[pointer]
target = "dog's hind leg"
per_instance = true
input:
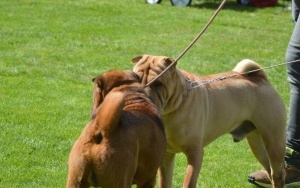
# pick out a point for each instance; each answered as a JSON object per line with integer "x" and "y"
{"x": 166, "y": 171}
{"x": 276, "y": 153}
{"x": 269, "y": 149}
{"x": 257, "y": 146}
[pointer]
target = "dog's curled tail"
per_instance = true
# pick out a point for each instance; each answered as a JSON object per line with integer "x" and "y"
{"x": 248, "y": 67}
{"x": 110, "y": 111}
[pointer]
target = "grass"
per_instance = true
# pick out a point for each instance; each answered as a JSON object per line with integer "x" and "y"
{"x": 50, "y": 50}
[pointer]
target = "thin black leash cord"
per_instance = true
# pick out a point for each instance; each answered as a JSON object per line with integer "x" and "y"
{"x": 204, "y": 82}
{"x": 192, "y": 43}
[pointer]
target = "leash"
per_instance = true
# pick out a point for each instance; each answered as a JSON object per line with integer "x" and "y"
{"x": 204, "y": 82}
{"x": 191, "y": 44}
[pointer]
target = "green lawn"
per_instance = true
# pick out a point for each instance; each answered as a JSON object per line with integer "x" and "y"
{"x": 50, "y": 50}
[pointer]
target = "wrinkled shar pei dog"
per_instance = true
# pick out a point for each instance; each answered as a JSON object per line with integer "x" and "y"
{"x": 196, "y": 110}
{"x": 124, "y": 143}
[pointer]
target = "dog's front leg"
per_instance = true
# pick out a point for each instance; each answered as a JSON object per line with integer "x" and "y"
{"x": 194, "y": 159}
{"x": 166, "y": 171}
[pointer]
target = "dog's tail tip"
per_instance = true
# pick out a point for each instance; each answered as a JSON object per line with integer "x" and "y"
{"x": 248, "y": 67}
{"x": 110, "y": 111}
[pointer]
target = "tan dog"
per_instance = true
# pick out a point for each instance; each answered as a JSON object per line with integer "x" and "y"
{"x": 243, "y": 105}
{"x": 125, "y": 142}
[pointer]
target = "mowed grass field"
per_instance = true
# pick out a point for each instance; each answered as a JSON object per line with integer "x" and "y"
{"x": 50, "y": 50}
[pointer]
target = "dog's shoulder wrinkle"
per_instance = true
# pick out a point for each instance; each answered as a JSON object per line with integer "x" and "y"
{"x": 137, "y": 99}
{"x": 138, "y": 104}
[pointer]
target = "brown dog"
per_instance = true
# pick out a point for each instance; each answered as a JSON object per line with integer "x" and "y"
{"x": 125, "y": 142}
{"x": 196, "y": 110}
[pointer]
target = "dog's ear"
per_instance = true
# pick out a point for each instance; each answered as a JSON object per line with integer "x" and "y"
{"x": 97, "y": 82}
{"x": 97, "y": 96}
{"x": 136, "y": 59}
{"x": 169, "y": 61}
{"x": 161, "y": 63}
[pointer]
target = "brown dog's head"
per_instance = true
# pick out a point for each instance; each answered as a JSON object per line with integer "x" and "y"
{"x": 107, "y": 81}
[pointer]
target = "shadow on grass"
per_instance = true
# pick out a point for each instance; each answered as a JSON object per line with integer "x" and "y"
{"x": 232, "y": 5}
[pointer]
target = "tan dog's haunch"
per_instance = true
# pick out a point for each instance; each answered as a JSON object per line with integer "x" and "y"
{"x": 124, "y": 143}
{"x": 247, "y": 106}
